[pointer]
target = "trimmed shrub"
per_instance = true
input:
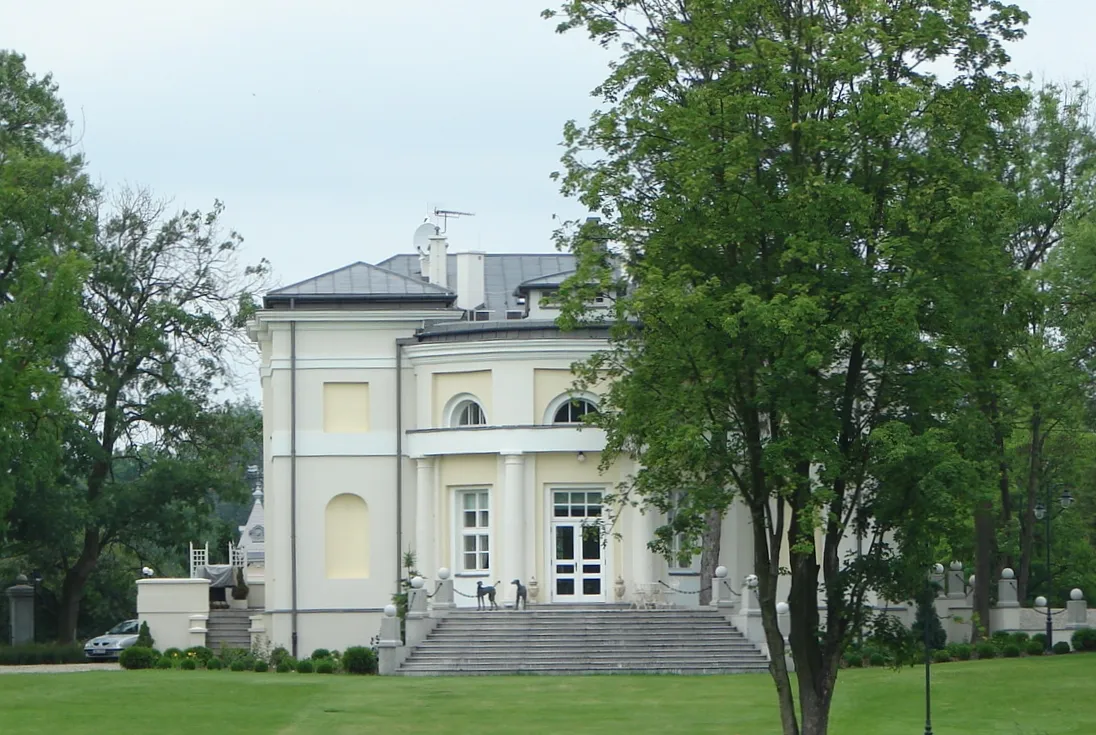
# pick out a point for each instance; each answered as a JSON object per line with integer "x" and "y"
{"x": 215, "y": 664}
{"x": 164, "y": 663}
{"x": 877, "y": 659}
{"x": 144, "y": 637}
{"x": 959, "y": 651}
{"x": 32, "y": 654}
{"x": 359, "y": 660}
{"x": 278, "y": 655}
{"x": 261, "y": 666}
{"x": 1034, "y": 648}
{"x": 1020, "y": 638}
{"x": 189, "y": 664}
{"x": 238, "y": 665}
{"x": 1084, "y": 639}
{"x": 232, "y": 655}
{"x": 325, "y": 666}
{"x": 138, "y": 657}
{"x": 1041, "y": 637}
{"x": 986, "y": 650}
{"x": 1011, "y": 650}
{"x": 941, "y": 657}
{"x": 304, "y": 666}
{"x": 1060, "y": 648}
{"x": 283, "y": 667}
{"x": 201, "y": 653}
{"x": 320, "y": 653}
{"x": 174, "y": 653}
{"x": 1000, "y": 638}
{"x": 854, "y": 660}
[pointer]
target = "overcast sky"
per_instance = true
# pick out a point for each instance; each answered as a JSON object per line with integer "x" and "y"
{"x": 330, "y": 128}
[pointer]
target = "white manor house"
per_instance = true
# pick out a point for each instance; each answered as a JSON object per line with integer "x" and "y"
{"x": 425, "y": 404}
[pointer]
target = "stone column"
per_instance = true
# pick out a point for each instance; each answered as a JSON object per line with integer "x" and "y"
{"x": 643, "y": 530}
{"x": 513, "y": 539}
{"x": 957, "y": 590}
{"x": 21, "y": 607}
{"x": 390, "y": 645}
{"x": 1005, "y": 615}
{"x": 1076, "y": 610}
{"x": 424, "y": 514}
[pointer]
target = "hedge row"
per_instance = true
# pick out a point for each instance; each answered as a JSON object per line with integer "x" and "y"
{"x": 32, "y": 654}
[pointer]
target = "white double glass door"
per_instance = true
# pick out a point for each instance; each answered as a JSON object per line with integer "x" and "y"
{"x": 578, "y": 554}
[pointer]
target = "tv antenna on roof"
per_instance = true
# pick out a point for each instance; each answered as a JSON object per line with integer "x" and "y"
{"x": 445, "y": 214}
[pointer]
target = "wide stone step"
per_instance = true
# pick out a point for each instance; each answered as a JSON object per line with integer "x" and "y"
{"x": 584, "y": 671}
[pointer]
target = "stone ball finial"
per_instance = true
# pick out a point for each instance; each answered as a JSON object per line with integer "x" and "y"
{"x": 417, "y": 582}
{"x": 1076, "y": 594}
{"x": 957, "y": 566}
{"x": 444, "y": 573}
{"x": 721, "y": 572}
{"x": 782, "y": 608}
{"x": 971, "y": 580}
{"x": 390, "y": 611}
{"x": 21, "y": 579}
{"x": 751, "y": 580}
{"x": 937, "y": 568}
{"x": 1040, "y": 601}
{"x": 1007, "y": 573}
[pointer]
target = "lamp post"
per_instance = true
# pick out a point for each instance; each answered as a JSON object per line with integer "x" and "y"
{"x": 1043, "y": 512}
{"x": 927, "y": 613}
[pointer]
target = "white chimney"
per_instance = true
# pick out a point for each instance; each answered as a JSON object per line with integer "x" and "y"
{"x": 470, "y": 280}
{"x": 439, "y": 261}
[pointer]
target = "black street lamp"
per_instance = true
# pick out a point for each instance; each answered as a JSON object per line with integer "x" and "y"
{"x": 927, "y": 614}
{"x": 1043, "y": 512}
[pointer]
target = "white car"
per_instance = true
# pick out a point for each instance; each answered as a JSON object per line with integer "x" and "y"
{"x": 111, "y": 644}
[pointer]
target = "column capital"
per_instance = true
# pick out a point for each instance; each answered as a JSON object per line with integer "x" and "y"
{"x": 513, "y": 457}
{"x": 423, "y": 461}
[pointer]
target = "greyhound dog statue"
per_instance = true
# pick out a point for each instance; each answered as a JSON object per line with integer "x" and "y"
{"x": 522, "y": 596}
{"x": 489, "y": 593}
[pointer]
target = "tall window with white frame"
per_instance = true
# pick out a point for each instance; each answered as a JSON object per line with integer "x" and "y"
{"x": 475, "y": 530}
{"x": 677, "y": 562}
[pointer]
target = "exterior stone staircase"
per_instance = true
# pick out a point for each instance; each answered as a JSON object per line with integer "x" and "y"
{"x": 555, "y": 640}
{"x": 228, "y": 629}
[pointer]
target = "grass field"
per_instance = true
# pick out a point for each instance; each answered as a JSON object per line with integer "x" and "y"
{"x": 1030, "y": 696}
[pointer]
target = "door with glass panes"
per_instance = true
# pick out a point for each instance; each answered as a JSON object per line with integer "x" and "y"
{"x": 578, "y": 554}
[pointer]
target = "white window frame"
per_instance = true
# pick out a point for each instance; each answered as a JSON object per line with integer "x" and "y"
{"x": 560, "y": 401}
{"x": 481, "y": 532}
{"x": 457, "y": 405}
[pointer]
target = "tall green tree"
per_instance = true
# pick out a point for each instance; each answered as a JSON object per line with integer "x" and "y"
{"x": 803, "y": 211}
{"x": 163, "y": 307}
{"x": 45, "y": 223}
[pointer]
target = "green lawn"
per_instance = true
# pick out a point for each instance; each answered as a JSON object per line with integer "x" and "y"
{"x": 1030, "y": 696}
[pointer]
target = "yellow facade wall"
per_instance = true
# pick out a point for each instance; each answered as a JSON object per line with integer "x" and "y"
{"x": 547, "y": 386}
{"x": 346, "y": 537}
{"x": 345, "y": 408}
{"x": 447, "y": 385}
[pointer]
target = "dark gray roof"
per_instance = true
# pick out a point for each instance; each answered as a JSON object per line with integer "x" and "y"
{"x": 552, "y": 280}
{"x": 503, "y": 273}
{"x": 362, "y": 280}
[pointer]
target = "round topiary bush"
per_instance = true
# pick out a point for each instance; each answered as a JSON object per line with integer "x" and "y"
{"x": 325, "y": 666}
{"x": 854, "y": 660}
{"x": 320, "y": 653}
{"x": 238, "y": 665}
{"x": 1001, "y": 637}
{"x": 1041, "y": 637}
{"x": 164, "y": 663}
{"x": 1034, "y": 648}
{"x": 1060, "y": 648}
{"x": 877, "y": 659}
{"x": 262, "y": 666}
{"x": 138, "y": 657}
{"x": 1084, "y": 639}
{"x": 986, "y": 650}
{"x": 960, "y": 651}
{"x": 279, "y": 654}
{"x": 1020, "y": 638}
{"x": 189, "y": 664}
{"x": 201, "y": 653}
{"x": 305, "y": 666}
{"x": 173, "y": 653}
{"x": 941, "y": 657}
{"x": 1011, "y": 650}
{"x": 283, "y": 667}
{"x": 359, "y": 660}
{"x": 215, "y": 664}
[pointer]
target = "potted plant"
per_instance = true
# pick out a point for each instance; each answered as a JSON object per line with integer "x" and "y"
{"x": 239, "y": 591}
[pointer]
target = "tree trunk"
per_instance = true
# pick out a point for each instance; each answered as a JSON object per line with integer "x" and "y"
{"x": 72, "y": 589}
{"x": 709, "y": 553}
{"x": 1027, "y": 520}
{"x": 984, "y": 543}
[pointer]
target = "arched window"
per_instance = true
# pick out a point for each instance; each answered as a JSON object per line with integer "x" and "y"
{"x": 346, "y": 532}
{"x": 469, "y": 413}
{"x": 572, "y": 410}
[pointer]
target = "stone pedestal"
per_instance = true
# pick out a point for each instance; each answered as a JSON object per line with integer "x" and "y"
{"x": 443, "y": 596}
{"x": 957, "y": 590}
{"x": 418, "y": 624}
{"x": 389, "y": 646}
{"x": 21, "y": 608}
{"x": 1076, "y": 610}
{"x": 1005, "y": 615}
{"x": 722, "y": 596}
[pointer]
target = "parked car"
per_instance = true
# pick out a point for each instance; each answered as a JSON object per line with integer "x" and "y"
{"x": 111, "y": 644}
